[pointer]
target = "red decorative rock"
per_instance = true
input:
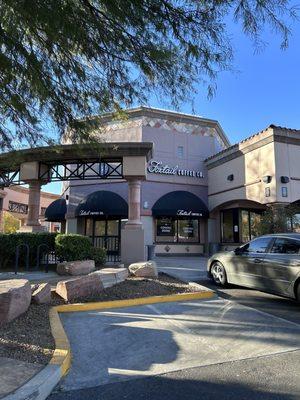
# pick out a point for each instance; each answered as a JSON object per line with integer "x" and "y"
{"x": 75, "y": 268}
{"x": 15, "y": 298}
{"x": 42, "y": 294}
{"x": 84, "y": 286}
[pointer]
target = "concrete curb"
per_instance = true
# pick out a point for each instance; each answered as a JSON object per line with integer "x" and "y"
{"x": 42, "y": 384}
{"x": 134, "y": 302}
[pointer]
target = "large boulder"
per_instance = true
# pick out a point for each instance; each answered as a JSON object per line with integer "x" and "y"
{"x": 145, "y": 269}
{"x": 42, "y": 294}
{"x": 110, "y": 276}
{"x": 75, "y": 268}
{"x": 85, "y": 286}
{"x": 15, "y": 298}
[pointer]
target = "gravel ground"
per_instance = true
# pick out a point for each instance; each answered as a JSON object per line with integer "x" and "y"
{"x": 138, "y": 287}
{"x": 29, "y": 338}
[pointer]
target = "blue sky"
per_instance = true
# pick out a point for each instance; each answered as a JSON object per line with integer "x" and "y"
{"x": 264, "y": 89}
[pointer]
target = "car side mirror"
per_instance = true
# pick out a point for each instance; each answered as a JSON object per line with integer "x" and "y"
{"x": 238, "y": 251}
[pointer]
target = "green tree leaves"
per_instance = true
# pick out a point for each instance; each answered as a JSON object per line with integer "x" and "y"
{"x": 66, "y": 59}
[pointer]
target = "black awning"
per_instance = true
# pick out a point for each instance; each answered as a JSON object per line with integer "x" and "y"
{"x": 56, "y": 211}
{"x": 103, "y": 204}
{"x": 180, "y": 204}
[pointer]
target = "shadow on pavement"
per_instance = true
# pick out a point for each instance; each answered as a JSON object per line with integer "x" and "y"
{"x": 270, "y": 303}
{"x": 164, "y": 388}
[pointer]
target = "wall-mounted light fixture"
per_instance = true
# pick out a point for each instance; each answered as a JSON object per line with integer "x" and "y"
{"x": 230, "y": 177}
{"x": 145, "y": 205}
{"x": 267, "y": 179}
{"x": 284, "y": 179}
{"x": 267, "y": 192}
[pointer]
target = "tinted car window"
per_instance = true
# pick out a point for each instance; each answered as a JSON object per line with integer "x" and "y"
{"x": 257, "y": 246}
{"x": 286, "y": 246}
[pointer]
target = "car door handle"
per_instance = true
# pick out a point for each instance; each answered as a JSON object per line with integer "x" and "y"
{"x": 257, "y": 260}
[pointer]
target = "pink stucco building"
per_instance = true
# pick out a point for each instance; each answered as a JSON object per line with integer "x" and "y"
{"x": 14, "y": 200}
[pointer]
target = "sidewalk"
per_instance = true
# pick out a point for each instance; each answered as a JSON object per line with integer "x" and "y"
{"x": 190, "y": 269}
{"x": 15, "y": 373}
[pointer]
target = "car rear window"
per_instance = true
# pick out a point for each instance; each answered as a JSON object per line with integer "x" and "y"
{"x": 286, "y": 246}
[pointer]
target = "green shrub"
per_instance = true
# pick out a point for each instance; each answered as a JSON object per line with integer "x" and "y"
{"x": 99, "y": 255}
{"x": 73, "y": 247}
{"x": 10, "y": 241}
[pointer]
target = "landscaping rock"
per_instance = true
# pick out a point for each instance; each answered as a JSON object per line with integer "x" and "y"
{"x": 120, "y": 273}
{"x": 42, "y": 294}
{"x": 107, "y": 280}
{"x": 146, "y": 269}
{"x": 75, "y": 268}
{"x": 15, "y": 298}
{"x": 34, "y": 286}
{"x": 111, "y": 276}
{"x": 84, "y": 286}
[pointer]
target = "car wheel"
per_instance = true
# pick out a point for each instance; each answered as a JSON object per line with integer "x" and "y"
{"x": 218, "y": 274}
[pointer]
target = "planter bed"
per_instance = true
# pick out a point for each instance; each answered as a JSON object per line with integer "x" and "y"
{"x": 29, "y": 337}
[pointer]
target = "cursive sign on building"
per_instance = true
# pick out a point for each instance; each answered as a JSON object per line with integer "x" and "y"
{"x": 158, "y": 167}
{"x": 85, "y": 213}
{"x": 185, "y": 213}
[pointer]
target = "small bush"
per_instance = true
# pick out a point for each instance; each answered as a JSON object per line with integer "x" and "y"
{"x": 10, "y": 241}
{"x": 73, "y": 247}
{"x": 99, "y": 255}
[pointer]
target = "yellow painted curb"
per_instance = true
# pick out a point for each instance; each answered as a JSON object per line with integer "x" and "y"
{"x": 134, "y": 302}
{"x": 62, "y": 352}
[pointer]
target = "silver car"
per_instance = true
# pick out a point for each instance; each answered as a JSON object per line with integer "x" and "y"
{"x": 269, "y": 263}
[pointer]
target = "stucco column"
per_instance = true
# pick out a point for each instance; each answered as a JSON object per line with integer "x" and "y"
{"x": 34, "y": 203}
{"x": 133, "y": 235}
{"x": 134, "y": 203}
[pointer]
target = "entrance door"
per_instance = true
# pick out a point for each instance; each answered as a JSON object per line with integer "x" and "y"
{"x": 107, "y": 234}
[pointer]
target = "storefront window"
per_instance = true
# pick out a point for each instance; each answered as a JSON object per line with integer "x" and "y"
{"x": 89, "y": 227}
{"x": 100, "y": 228}
{"x": 296, "y": 223}
{"x": 177, "y": 230}
{"x": 227, "y": 226}
{"x": 255, "y": 219}
{"x": 239, "y": 225}
{"x": 113, "y": 228}
{"x": 165, "y": 230}
{"x": 188, "y": 230}
{"x": 245, "y": 226}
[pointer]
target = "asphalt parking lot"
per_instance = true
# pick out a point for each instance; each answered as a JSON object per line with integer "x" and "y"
{"x": 243, "y": 345}
{"x": 128, "y": 343}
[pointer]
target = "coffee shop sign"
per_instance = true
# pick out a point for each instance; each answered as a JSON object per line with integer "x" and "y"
{"x": 158, "y": 167}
